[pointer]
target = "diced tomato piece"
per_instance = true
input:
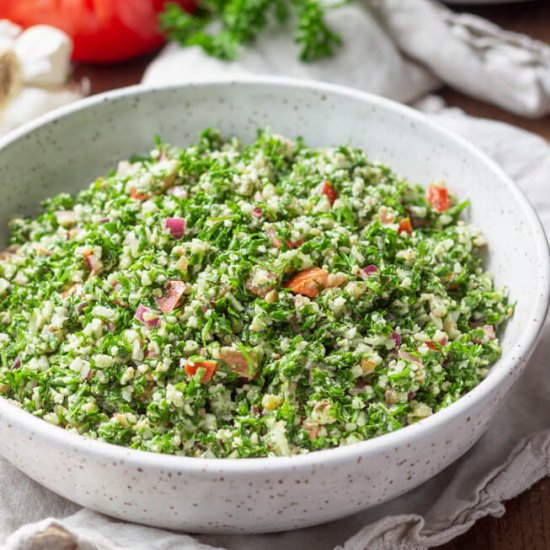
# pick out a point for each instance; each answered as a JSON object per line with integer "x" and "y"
{"x": 438, "y": 197}
{"x": 329, "y": 192}
{"x": 405, "y": 226}
{"x": 174, "y": 291}
{"x": 308, "y": 282}
{"x": 135, "y": 194}
{"x": 278, "y": 243}
{"x": 432, "y": 346}
{"x": 239, "y": 364}
{"x": 295, "y": 244}
{"x": 209, "y": 366}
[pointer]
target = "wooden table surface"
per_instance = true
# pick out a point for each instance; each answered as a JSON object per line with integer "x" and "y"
{"x": 526, "y": 524}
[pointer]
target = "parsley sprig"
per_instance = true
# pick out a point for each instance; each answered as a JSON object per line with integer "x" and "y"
{"x": 241, "y": 22}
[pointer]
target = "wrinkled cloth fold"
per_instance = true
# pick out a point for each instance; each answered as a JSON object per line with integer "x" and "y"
{"x": 367, "y": 60}
{"x": 471, "y": 54}
{"x": 398, "y": 49}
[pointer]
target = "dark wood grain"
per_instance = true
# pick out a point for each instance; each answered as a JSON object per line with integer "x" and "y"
{"x": 101, "y": 78}
{"x": 531, "y": 18}
{"x": 526, "y": 523}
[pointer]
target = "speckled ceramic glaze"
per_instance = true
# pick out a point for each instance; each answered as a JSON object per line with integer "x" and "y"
{"x": 65, "y": 151}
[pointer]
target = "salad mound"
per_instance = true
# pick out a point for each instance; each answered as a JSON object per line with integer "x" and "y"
{"x": 222, "y": 300}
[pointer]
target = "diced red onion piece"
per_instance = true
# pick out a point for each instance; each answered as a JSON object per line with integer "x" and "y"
{"x": 176, "y": 226}
{"x": 489, "y": 330}
{"x": 295, "y": 244}
{"x": 86, "y": 373}
{"x": 16, "y": 364}
{"x": 145, "y": 315}
{"x": 444, "y": 341}
{"x": 81, "y": 306}
{"x": 94, "y": 263}
{"x": 257, "y": 212}
{"x": 369, "y": 270}
{"x": 397, "y": 339}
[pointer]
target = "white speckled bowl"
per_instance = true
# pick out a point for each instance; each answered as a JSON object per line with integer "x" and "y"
{"x": 66, "y": 150}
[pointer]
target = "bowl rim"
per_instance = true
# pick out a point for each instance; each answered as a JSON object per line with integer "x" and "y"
{"x": 515, "y": 357}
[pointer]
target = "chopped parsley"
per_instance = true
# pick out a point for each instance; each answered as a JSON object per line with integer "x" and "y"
{"x": 242, "y": 21}
{"x": 222, "y": 300}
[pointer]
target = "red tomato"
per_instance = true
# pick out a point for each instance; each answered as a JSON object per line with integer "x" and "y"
{"x": 432, "y": 346}
{"x": 405, "y": 226}
{"x": 208, "y": 366}
{"x": 174, "y": 291}
{"x": 102, "y": 30}
{"x": 438, "y": 197}
{"x": 308, "y": 281}
{"x": 329, "y": 192}
{"x": 135, "y": 194}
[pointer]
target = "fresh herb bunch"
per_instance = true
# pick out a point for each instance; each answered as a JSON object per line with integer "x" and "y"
{"x": 241, "y": 22}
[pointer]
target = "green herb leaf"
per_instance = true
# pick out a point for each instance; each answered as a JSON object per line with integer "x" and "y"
{"x": 242, "y": 21}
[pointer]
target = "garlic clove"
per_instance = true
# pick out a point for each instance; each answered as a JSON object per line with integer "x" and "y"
{"x": 44, "y": 53}
{"x": 11, "y": 77}
{"x": 8, "y": 33}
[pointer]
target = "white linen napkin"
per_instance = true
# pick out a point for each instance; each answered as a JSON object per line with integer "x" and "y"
{"x": 471, "y": 54}
{"x": 515, "y": 452}
{"x": 398, "y": 49}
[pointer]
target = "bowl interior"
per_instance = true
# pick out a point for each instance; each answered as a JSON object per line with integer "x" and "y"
{"x": 67, "y": 153}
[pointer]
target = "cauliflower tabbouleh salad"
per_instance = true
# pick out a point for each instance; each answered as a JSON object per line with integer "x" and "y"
{"x": 223, "y": 300}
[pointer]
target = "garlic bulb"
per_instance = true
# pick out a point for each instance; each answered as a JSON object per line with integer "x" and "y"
{"x": 11, "y": 76}
{"x": 34, "y": 68}
{"x": 44, "y": 53}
